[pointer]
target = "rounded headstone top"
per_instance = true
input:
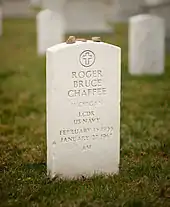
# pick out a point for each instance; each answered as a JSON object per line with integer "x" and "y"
{"x": 144, "y": 17}
{"x": 86, "y": 43}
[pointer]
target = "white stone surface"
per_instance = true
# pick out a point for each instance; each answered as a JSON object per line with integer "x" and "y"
{"x": 83, "y": 109}
{"x": 87, "y": 16}
{"x": 1, "y": 22}
{"x": 146, "y": 44}
{"x": 50, "y": 30}
{"x": 162, "y": 9}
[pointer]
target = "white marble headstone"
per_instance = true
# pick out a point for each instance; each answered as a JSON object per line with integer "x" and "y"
{"x": 50, "y": 30}
{"x": 161, "y": 8}
{"x": 146, "y": 44}
{"x": 83, "y": 109}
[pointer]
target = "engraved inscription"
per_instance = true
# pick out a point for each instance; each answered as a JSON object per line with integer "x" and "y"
{"x": 86, "y": 113}
{"x": 87, "y": 83}
{"x": 88, "y": 103}
{"x": 84, "y": 134}
{"x": 87, "y": 86}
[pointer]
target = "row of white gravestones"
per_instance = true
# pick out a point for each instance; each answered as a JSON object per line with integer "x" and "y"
{"x": 83, "y": 98}
{"x": 146, "y": 44}
{"x": 83, "y": 109}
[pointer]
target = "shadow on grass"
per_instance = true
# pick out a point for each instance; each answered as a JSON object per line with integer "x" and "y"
{"x": 35, "y": 166}
{"x": 6, "y": 74}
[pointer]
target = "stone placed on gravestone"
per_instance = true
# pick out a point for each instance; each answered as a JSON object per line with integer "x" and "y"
{"x": 71, "y": 40}
{"x": 96, "y": 39}
{"x": 83, "y": 109}
{"x": 81, "y": 39}
{"x": 146, "y": 45}
{"x": 50, "y": 30}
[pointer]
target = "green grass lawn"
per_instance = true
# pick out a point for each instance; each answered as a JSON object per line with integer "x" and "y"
{"x": 144, "y": 178}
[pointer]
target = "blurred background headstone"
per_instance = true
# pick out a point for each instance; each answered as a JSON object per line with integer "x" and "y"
{"x": 146, "y": 44}
{"x": 160, "y": 8}
{"x": 50, "y": 30}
